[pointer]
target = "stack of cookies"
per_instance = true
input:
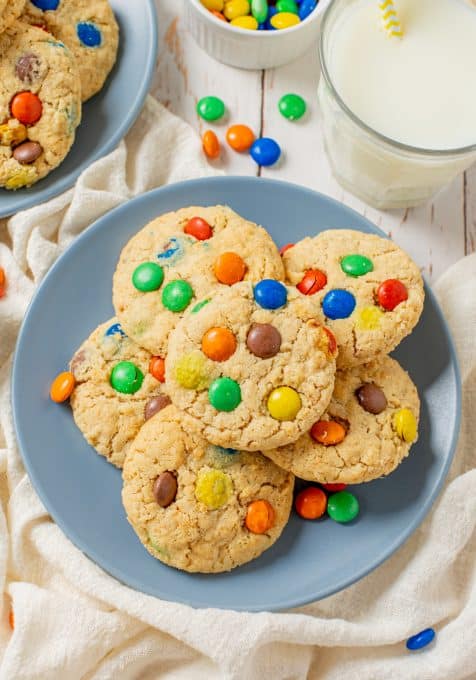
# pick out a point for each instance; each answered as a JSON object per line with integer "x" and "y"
{"x": 230, "y": 368}
{"x": 54, "y": 55}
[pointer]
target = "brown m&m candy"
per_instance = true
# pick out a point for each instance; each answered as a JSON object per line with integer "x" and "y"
{"x": 165, "y": 489}
{"x": 27, "y": 153}
{"x": 263, "y": 340}
{"x": 155, "y": 405}
{"x": 371, "y": 398}
{"x": 27, "y": 68}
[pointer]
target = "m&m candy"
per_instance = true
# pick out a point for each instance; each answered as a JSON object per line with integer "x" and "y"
{"x": 285, "y": 20}
{"x": 263, "y": 340}
{"x": 262, "y": 15}
{"x": 46, "y": 5}
{"x": 224, "y": 394}
{"x": 211, "y": 145}
{"x": 26, "y": 107}
{"x": 157, "y": 368}
{"x": 311, "y": 503}
{"x": 405, "y": 425}
{"x": 89, "y": 34}
{"x": 312, "y": 282}
{"x": 343, "y": 507}
{"x": 165, "y": 489}
{"x": 421, "y": 639}
{"x": 328, "y": 432}
{"x": 148, "y": 277}
{"x": 62, "y": 387}
{"x": 213, "y": 488}
{"x": 126, "y": 378}
{"x": 332, "y": 488}
{"x": 218, "y": 344}
{"x": 260, "y": 517}
{"x": 292, "y": 106}
{"x": 240, "y": 137}
{"x": 391, "y": 293}
{"x": 210, "y": 108}
{"x": 230, "y": 268}
{"x": 284, "y": 403}
{"x": 177, "y": 295}
{"x": 356, "y": 265}
{"x": 265, "y": 151}
{"x": 259, "y": 9}
{"x": 199, "y": 228}
{"x": 270, "y": 294}
{"x": 338, "y": 304}
{"x": 3, "y": 282}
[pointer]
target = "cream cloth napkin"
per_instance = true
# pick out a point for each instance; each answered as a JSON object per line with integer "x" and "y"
{"x": 73, "y": 621}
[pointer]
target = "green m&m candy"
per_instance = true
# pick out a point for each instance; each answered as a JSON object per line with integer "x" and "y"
{"x": 147, "y": 277}
{"x": 199, "y": 306}
{"x": 287, "y": 6}
{"x": 210, "y": 108}
{"x": 292, "y": 106}
{"x": 126, "y": 377}
{"x": 356, "y": 265}
{"x": 259, "y": 9}
{"x": 176, "y": 295}
{"x": 343, "y": 507}
{"x": 224, "y": 394}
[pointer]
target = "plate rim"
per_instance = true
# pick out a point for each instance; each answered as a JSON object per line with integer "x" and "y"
{"x": 282, "y": 604}
{"x": 27, "y": 201}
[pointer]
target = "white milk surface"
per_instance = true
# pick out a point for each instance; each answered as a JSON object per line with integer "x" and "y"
{"x": 420, "y": 89}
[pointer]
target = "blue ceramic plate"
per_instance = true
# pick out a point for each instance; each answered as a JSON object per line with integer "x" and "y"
{"x": 83, "y": 492}
{"x": 108, "y": 116}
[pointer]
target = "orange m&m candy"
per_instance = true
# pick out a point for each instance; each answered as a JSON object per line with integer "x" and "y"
{"x": 199, "y": 228}
{"x": 260, "y": 517}
{"x": 312, "y": 281}
{"x": 157, "y": 368}
{"x": 230, "y": 268}
{"x": 328, "y": 432}
{"x": 311, "y": 503}
{"x": 288, "y": 246}
{"x": 11, "y": 619}
{"x": 62, "y": 387}
{"x": 218, "y": 14}
{"x": 3, "y": 282}
{"x": 218, "y": 344}
{"x": 26, "y": 107}
{"x": 240, "y": 137}
{"x": 332, "y": 340}
{"x": 211, "y": 145}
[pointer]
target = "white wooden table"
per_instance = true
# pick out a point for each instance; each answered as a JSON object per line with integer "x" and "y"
{"x": 436, "y": 235}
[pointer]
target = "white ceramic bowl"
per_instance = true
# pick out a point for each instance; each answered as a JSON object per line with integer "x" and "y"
{"x": 251, "y": 49}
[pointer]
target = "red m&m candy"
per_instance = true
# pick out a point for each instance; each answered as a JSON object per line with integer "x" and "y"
{"x": 26, "y": 107}
{"x": 312, "y": 281}
{"x": 157, "y": 368}
{"x": 288, "y": 246}
{"x": 333, "y": 488}
{"x": 199, "y": 228}
{"x": 391, "y": 293}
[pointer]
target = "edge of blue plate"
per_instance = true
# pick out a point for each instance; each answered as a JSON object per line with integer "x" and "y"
{"x": 67, "y": 182}
{"x": 284, "y": 604}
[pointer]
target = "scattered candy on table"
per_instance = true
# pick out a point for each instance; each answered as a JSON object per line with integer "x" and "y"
{"x": 421, "y": 639}
{"x": 62, "y": 387}
{"x": 240, "y": 137}
{"x": 211, "y": 145}
{"x": 292, "y": 106}
{"x": 265, "y": 151}
{"x": 261, "y": 14}
{"x": 211, "y": 108}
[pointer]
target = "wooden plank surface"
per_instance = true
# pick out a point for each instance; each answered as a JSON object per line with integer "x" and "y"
{"x": 435, "y": 235}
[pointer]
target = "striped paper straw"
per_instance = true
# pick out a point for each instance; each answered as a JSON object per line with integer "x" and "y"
{"x": 390, "y": 18}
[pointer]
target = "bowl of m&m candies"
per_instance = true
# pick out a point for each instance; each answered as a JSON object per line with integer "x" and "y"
{"x": 255, "y": 34}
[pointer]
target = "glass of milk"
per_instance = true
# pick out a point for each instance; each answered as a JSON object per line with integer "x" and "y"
{"x": 399, "y": 114}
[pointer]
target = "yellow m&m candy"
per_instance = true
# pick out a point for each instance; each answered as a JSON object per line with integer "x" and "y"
{"x": 284, "y": 403}
{"x": 236, "y": 8}
{"x": 247, "y": 22}
{"x": 368, "y": 318}
{"x": 191, "y": 372}
{"x": 284, "y": 20}
{"x": 212, "y": 5}
{"x": 213, "y": 488}
{"x": 405, "y": 425}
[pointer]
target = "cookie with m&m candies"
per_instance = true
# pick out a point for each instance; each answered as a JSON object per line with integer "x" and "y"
{"x": 365, "y": 288}
{"x": 40, "y": 105}
{"x": 365, "y": 433}
{"x": 200, "y": 507}
{"x": 252, "y": 368}
{"x": 181, "y": 260}
{"x": 88, "y": 28}
{"x": 118, "y": 387}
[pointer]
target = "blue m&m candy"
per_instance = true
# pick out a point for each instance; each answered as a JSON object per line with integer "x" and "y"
{"x": 421, "y": 639}
{"x": 115, "y": 329}
{"x": 46, "y": 4}
{"x": 271, "y": 12}
{"x": 270, "y": 294}
{"x": 338, "y": 304}
{"x": 89, "y": 34}
{"x": 306, "y": 8}
{"x": 265, "y": 151}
